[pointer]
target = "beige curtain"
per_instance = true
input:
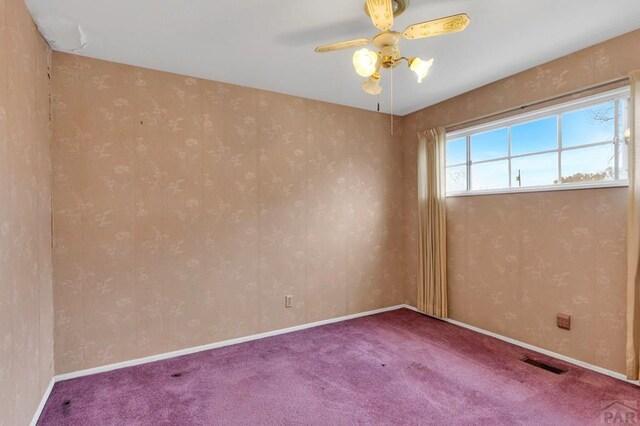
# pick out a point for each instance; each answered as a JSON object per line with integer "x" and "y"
{"x": 633, "y": 233}
{"x": 432, "y": 224}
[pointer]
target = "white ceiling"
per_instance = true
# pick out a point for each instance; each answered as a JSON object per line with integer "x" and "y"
{"x": 268, "y": 44}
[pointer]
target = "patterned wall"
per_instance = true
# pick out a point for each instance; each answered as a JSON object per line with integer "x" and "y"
{"x": 551, "y": 251}
{"x": 517, "y": 260}
{"x": 26, "y": 304}
{"x": 185, "y": 209}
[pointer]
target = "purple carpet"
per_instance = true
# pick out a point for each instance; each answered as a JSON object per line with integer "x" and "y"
{"x": 397, "y": 367}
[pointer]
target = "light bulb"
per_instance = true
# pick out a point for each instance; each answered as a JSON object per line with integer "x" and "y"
{"x": 365, "y": 62}
{"x": 372, "y": 85}
{"x": 420, "y": 67}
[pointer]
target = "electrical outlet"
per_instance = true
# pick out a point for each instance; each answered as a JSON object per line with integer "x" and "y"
{"x": 288, "y": 301}
{"x": 564, "y": 321}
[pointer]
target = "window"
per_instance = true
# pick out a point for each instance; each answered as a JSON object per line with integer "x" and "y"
{"x": 580, "y": 143}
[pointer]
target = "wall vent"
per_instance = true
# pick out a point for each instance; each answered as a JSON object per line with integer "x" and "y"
{"x": 544, "y": 366}
{"x": 564, "y": 321}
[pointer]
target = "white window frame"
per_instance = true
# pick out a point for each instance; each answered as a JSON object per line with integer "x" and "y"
{"x": 556, "y": 110}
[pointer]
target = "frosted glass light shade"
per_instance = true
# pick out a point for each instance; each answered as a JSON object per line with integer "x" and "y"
{"x": 372, "y": 86}
{"x": 420, "y": 67}
{"x": 365, "y": 62}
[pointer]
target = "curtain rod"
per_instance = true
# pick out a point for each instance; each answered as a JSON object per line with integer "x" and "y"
{"x": 467, "y": 123}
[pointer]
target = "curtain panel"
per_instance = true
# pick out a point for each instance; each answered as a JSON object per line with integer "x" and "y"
{"x": 432, "y": 224}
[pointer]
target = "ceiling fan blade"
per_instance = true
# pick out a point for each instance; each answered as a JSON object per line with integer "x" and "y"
{"x": 450, "y": 24}
{"x": 381, "y": 12}
{"x": 342, "y": 45}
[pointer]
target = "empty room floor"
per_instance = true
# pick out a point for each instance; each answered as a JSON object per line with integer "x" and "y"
{"x": 397, "y": 367}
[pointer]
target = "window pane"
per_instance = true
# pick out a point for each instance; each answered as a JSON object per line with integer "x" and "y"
{"x": 485, "y": 146}
{"x": 456, "y": 178}
{"x": 457, "y": 151}
{"x": 491, "y": 175}
{"x": 535, "y": 170}
{"x": 591, "y": 125}
{"x": 540, "y": 135}
{"x": 588, "y": 164}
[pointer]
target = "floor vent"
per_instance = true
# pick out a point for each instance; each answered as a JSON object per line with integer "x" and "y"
{"x": 539, "y": 364}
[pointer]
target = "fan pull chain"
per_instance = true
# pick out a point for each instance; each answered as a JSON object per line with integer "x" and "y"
{"x": 391, "y": 101}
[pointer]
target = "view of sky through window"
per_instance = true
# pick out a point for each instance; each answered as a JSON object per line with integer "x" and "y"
{"x": 535, "y": 136}
{"x": 490, "y": 145}
{"x": 573, "y": 146}
{"x": 591, "y": 125}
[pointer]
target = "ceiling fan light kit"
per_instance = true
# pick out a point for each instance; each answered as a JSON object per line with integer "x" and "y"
{"x": 372, "y": 84}
{"x": 420, "y": 67}
{"x": 365, "y": 62}
{"x": 368, "y": 63}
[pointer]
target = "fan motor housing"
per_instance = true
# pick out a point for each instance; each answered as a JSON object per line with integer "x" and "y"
{"x": 399, "y": 6}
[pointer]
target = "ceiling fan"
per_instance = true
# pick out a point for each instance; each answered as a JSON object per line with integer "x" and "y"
{"x": 368, "y": 63}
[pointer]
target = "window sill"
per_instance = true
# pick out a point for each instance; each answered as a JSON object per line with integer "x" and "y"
{"x": 563, "y": 187}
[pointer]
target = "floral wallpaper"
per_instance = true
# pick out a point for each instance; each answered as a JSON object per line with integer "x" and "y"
{"x": 26, "y": 298}
{"x": 185, "y": 210}
{"x": 517, "y": 260}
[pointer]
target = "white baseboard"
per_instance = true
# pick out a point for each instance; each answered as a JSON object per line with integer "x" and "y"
{"x": 173, "y": 354}
{"x": 43, "y": 400}
{"x": 565, "y": 358}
